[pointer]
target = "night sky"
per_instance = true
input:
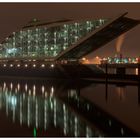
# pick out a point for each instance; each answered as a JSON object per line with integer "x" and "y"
{"x": 15, "y": 15}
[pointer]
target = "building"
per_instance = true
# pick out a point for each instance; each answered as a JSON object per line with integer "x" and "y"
{"x": 62, "y": 41}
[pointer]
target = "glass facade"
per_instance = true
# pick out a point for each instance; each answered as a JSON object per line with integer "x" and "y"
{"x": 46, "y": 41}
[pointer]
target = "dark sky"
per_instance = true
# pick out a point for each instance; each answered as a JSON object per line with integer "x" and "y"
{"x": 15, "y": 15}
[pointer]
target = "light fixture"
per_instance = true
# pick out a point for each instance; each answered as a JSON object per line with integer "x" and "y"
{"x": 26, "y": 65}
{"x": 18, "y": 65}
{"x": 11, "y": 65}
{"x": 43, "y": 65}
{"x": 52, "y": 65}
{"x": 34, "y": 65}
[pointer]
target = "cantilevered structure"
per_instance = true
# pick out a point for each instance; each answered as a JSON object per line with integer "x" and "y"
{"x": 47, "y": 39}
{"x": 63, "y": 39}
{"x": 39, "y": 44}
{"x": 99, "y": 37}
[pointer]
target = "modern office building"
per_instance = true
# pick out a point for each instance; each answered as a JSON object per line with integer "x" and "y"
{"x": 47, "y": 40}
{"x": 64, "y": 38}
{"x": 38, "y": 43}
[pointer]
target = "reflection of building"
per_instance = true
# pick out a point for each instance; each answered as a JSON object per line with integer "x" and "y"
{"x": 41, "y": 111}
{"x": 42, "y": 106}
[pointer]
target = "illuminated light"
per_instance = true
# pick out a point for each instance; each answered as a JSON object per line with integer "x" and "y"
{"x": 34, "y": 87}
{"x": 75, "y": 127}
{"x": 122, "y": 131}
{"x": 52, "y": 92}
{"x": 37, "y": 29}
{"x": 18, "y": 86}
{"x": 18, "y": 65}
{"x": 43, "y": 65}
{"x": 34, "y": 60}
{"x": 12, "y": 100}
{"x": 26, "y": 87}
{"x": 4, "y": 65}
{"x": 34, "y": 65}
{"x": 29, "y": 92}
{"x": 97, "y": 57}
{"x": 26, "y": 65}
{"x": 55, "y": 113}
{"x": 55, "y": 33}
{"x": 11, "y": 65}
{"x": 51, "y": 105}
{"x": 23, "y": 96}
{"x": 46, "y": 94}
{"x": 45, "y": 114}
{"x": 4, "y": 86}
{"x": 11, "y": 50}
{"x": 87, "y": 131}
{"x": 109, "y": 122}
{"x": 28, "y": 111}
{"x": 136, "y": 71}
{"x": 52, "y": 89}
{"x": 15, "y": 90}
{"x": 34, "y": 90}
{"x": 20, "y": 110}
{"x": 83, "y": 58}
{"x": 52, "y": 65}
{"x": 36, "y": 113}
{"x": 64, "y": 107}
{"x": 35, "y": 133}
{"x": 87, "y": 106}
{"x": 11, "y": 86}
{"x": 43, "y": 89}
{"x": 65, "y": 31}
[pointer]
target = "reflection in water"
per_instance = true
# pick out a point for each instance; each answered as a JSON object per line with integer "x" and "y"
{"x": 121, "y": 92}
{"x": 23, "y": 104}
{"x": 41, "y": 107}
{"x": 139, "y": 93}
{"x": 93, "y": 113}
{"x": 136, "y": 71}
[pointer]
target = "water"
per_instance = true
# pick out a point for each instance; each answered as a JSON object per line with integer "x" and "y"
{"x": 129, "y": 71}
{"x": 59, "y": 108}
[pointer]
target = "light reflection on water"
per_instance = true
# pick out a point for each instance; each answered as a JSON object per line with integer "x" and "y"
{"x": 75, "y": 111}
{"x": 121, "y": 92}
{"x": 37, "y": 106}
